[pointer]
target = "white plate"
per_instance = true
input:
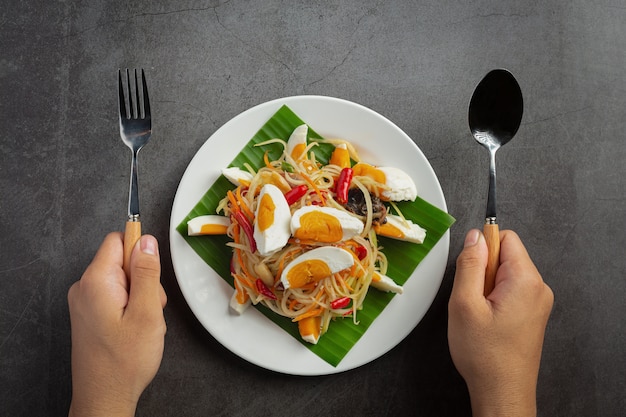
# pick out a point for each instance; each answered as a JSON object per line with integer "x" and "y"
{"x": 252, "y": 336}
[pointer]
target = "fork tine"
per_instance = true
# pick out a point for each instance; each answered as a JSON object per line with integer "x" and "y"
{"x": 138, "y": 103}
{"x": 131, "y": 106}
{"x": 123, "y": 113}
{"x": 146, "y": 99}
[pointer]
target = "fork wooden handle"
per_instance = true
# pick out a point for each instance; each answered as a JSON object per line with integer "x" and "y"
{"x": 492, "y": 236}
{"x": 131, "y": 236}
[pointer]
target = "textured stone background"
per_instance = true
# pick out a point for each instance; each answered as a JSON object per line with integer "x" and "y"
{"x": 63, "y": 177}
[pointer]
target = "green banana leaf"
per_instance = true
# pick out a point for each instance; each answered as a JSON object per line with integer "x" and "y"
{"x": 403, "y": 257}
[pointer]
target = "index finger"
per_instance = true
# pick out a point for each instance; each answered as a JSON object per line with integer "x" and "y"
{"x": 517, "y": 273}
{"x": 103, "y": 284}
{"x": 514, "y": 253}
{"x": 111, "y": 250}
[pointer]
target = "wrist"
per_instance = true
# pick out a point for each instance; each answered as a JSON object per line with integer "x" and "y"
{"x": 501, "y": 399}
{"x": 95, "y": 401}
{"x": 77, "y": 409}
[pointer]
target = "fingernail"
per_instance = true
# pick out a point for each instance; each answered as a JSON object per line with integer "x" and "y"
{"x": 149, "y": 245}
{"x": 472, "y": 238}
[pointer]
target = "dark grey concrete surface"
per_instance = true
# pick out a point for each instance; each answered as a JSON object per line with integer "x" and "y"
{"x": 562, "y": 180}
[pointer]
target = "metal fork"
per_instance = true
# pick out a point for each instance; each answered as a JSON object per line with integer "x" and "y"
{"x": 135, "y": 130}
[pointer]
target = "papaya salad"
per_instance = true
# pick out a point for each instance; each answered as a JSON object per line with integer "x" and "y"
{"x": 305, "y": 234}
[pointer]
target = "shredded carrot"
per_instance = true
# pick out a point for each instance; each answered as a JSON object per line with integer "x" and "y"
{"x": 244, "y": 269}
{"x": 315, "y": 188}
{"x": 240, "y": 257}
{"x": 241, "y": 295}
{"x": 354, "y": 269}
{"x": 311, "y": 313}
{"x": 236, "y": 233}
{"x": 244, "y": 205}
{"x": 233, "y": 201}
{"x": 343, "y": 282}
{"x": 241, "y": 280}
{"x": 266, "y": 159}
{"x": 292, "y": 304}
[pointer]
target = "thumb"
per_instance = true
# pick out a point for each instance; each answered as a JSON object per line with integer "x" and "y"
{"x": 146, "y": 293}
{"x": 469, "y": 280}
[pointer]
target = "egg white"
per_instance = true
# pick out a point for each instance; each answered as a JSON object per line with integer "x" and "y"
{"x": 236, "y": 307}
{"x": 384, "y": 283}
{"x": 237, "y": 175}
{"x": 412, "y": 232}
{"x": 298, "y": 137}
{"x": 194, "y": 226}
{"x": 275, "y": 237}
{"x": 401, "y": 185}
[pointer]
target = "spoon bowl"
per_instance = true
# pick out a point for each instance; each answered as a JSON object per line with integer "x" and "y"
{"x": 496, "y": 109}
{"x": 495, "y": 115}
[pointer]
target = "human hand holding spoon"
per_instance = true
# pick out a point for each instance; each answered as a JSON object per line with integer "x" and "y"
{"x": 495, "y": 114}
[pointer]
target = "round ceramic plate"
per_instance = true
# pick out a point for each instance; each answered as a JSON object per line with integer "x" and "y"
{"x": 252, "y": 336}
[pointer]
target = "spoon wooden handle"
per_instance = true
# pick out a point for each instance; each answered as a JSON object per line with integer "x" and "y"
{"x": 492, "y": 236}
{"x": 131, "y": 236}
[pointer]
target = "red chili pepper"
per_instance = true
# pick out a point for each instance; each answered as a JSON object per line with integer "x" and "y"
{"x": 361, "y": 252}
{"x": 263, "y": 290}
{"x": 343, "y": 184}
{"x": 340, "y": 303}
{"x": 295, "y": 193}
{"x": 247, "y": 228}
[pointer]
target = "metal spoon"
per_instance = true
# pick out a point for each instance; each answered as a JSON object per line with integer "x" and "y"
{"x": 495, "y": 114}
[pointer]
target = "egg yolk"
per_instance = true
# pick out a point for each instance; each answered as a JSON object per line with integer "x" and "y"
{"x": 213, "y": 229}
{"x": 376, "y": 174}
{"x": 310, "y": 327}
{"x": 321, "y": 227}
{"x": 265, "y": 216}
{"x": 390, "y": 230}
{"x": 298, "y": 151}
{"x": 340, "y": 157}
{"x": 306, "y": 272}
